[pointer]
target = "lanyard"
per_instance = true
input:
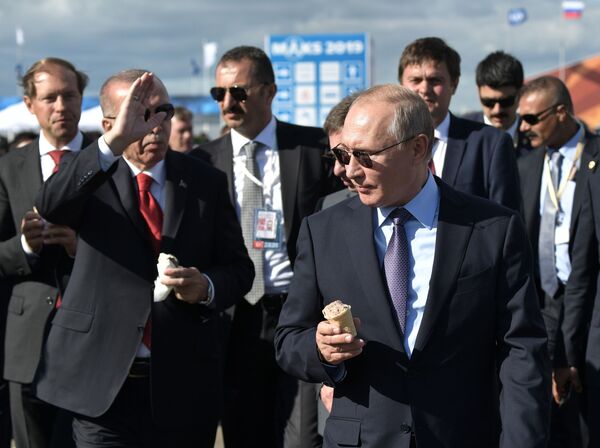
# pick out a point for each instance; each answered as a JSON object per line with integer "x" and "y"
{"x": 555, "y": 195}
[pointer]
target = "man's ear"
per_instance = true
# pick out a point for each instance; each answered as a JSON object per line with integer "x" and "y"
{"x": 421, "y": 147}
{"x": 455, "y": 85}
{"x": 29, "y": 103}
{"x": 106, "y": 125}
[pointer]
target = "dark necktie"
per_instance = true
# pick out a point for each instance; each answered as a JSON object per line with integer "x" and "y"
{"x": 152, "y": 214}
{"x": 57, "y": 155}
{"x": 546, "y": 245}
{"x": 396, "y": 265}
{"x": 252, "y": 199}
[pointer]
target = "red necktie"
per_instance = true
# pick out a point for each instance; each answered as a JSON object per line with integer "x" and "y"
{"x": 57, "y": 155}
{"x": 150, "y": 210}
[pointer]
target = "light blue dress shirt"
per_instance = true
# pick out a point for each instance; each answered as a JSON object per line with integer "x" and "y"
{"x": 421, "y": 234}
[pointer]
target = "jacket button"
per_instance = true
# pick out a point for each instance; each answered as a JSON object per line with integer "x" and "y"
{"x": 49, "y": 300}
{"x": 405, "y": 428}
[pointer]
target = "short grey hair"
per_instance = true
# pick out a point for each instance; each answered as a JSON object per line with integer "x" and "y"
{"x": 411, "y": 114}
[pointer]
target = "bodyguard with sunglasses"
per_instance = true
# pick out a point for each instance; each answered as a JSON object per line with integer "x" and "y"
{"x": 276, "y": 174}
{"x": 470, "y": 156}
{"x": 553, "y": 182}
{"x": 499, "y": 79}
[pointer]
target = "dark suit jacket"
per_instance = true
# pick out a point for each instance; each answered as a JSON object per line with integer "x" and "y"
{"x": 481, "y": 315}
{"x": 96, "y": 332}
{"x": 305, "y": 174}
{"x": 521, "y": 143}
{"x": 582, "y": 295}
{"x": 480, "y": 160}
{"x": 36, "y": 286}
{"x": 531, "y": 169}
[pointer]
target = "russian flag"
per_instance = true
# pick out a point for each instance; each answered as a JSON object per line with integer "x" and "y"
{"x": 572, "y": 10}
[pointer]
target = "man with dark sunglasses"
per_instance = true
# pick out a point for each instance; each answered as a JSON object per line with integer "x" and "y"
{"x": 553, "y": 180}
{"x": 441, "y": 287}
{"x": 499, "y": 79}
{"x": 277, "y": 171}
{"x": 470, "y": 156}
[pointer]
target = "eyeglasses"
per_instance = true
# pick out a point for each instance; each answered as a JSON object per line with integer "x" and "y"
{"x": 167, "y": 108}
{"x": 238, "y": 93}
{"x": 342, "y": 154}
{"x": 506, "y": 101}
{"x": 533, "y": 119}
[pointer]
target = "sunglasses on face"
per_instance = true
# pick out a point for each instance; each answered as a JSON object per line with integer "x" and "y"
{"x": 167, "y": 108}
{"x": 533, "y": 119}
{"x": 238, "y": 93}
{"x": 342, "y": 154}
{"x": 506, "y": 101}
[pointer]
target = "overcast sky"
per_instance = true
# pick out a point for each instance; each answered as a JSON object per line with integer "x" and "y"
{"x": 102, "y": 37}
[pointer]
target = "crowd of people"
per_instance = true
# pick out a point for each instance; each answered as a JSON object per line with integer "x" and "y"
{"x": 154, "y": 288}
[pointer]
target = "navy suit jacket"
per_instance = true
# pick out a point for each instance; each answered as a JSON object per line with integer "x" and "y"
{"x": 96, "y": 332}
{"x": 480, "y": 160}
{"x": 482, "y": 322}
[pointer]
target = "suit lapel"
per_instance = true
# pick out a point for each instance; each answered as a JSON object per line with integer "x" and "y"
{"x": 453, "y": 234}
{"x": 175, "y": 193}
{"x": 590, "y": 152}
{"x": 289, "y": 167}
{"x": 358, "y": 235}
{"x": 454, "y": 153}
{"x": 223, "y": 160}
{"x": 128, "y": 196}
{"x": 531, "y": 181}
{"x": 32, "y": 171}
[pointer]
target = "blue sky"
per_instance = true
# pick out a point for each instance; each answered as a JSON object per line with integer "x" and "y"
{"x": 103, "y": 37}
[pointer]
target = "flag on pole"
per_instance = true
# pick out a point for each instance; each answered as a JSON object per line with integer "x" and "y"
{"x": 516, "y": 16}
{"x": 19, "y": 36}
{"x": 209, "y": 51}
{"x": 572, "y": 10}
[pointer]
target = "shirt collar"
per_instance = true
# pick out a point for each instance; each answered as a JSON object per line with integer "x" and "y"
{"x": 74, "y": 145}
{"x": 423, "y": 206}
{"x": 267, "y": 137}
{"x": 157, "y": 172}
{"x": 441, "y": 132}
{"x": 568, "y": 149}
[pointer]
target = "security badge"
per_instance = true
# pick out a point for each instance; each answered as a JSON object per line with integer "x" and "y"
{"x": 267, "y": 229}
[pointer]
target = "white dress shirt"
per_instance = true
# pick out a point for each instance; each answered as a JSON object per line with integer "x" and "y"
{"x": 277, "y": 267}
{"x": 441, "y": 144}
{"x": 421, "y": 233}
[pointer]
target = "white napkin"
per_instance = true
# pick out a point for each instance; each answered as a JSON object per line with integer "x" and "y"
{"x": 161, "y": 291}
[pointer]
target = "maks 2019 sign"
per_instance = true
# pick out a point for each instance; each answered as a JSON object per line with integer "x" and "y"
{"x": 315, "y": 71}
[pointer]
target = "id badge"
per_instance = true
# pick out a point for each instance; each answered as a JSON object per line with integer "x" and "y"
{"x": 267, "y": 229}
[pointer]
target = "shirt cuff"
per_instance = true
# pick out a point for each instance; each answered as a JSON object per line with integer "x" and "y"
{"x": 105, "y": 155}
{"x": 29, "y": 253}
{"x": 210, "y": 296}
{"x": 336, "y": 373}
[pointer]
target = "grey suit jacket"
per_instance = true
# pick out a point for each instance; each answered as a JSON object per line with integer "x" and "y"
{"x": 35, "y": 286}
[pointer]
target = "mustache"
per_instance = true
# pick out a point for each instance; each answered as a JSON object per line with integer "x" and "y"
{"x": 499, "y": 115}
{"x": 530, "y": 135}
{"x": 235, "y": 109}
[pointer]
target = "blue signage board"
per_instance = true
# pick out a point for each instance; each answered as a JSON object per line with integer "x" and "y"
{"x": 315, "y": 71}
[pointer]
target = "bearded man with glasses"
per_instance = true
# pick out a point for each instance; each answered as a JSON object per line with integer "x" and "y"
{"x": 277, "y": 172}
{"x": 553, "y": 182}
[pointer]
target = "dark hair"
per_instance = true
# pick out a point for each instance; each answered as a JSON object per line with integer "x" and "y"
{"x": 336, "y": 116}
{"x": 430, "y": 49}
{"x": 126, "y": 77}
{"x": 499, "y": 69}
{"x": 262, "y": 70}
{"x": 552, "y": 86}
{"x": 43, "y": 65}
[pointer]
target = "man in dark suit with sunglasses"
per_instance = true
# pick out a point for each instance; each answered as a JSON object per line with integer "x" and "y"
{"x": 553, "y": 181}
{"x": 469, "y": 156}
{"x": 441, "y": 285}
{"x": 138, "y": 365}
{"x": 499, "y": 79}
{"x": 281, "y": 168}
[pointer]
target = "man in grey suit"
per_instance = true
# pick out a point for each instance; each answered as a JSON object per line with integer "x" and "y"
{"x": 442, "y": 283}
{"x": 35, "y": 255}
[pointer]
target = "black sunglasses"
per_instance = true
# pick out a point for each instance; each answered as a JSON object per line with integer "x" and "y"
{"x": 238, "y": 93}
{"x": 506, "y": 101}
{"x": 167, "y": 108}
{"x": 533, "y": 119}
{"x": 342, "y": 154}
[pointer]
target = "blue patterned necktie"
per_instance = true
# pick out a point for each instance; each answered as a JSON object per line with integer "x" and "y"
{"x": 396, "y": 265}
